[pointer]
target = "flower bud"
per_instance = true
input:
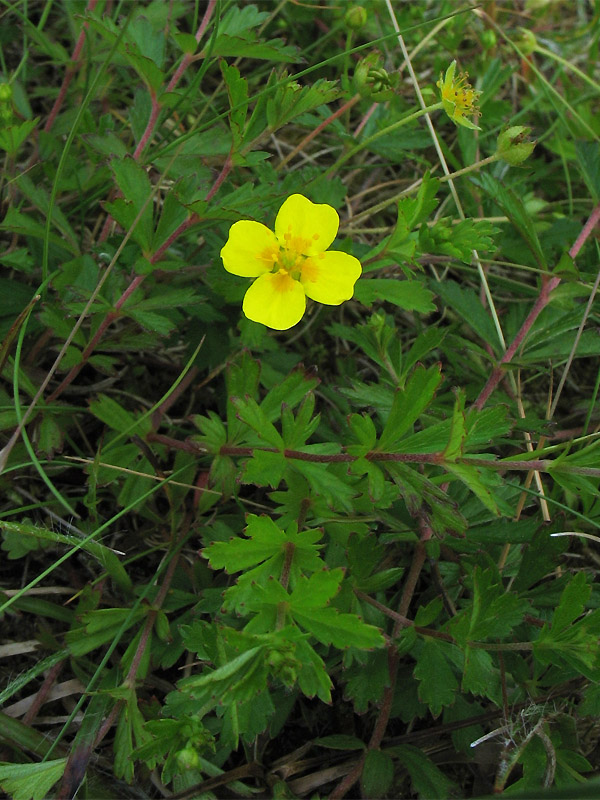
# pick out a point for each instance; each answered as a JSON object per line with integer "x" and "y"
{"x": 188, "y": 758}
{"x": 372, "y": 81}
{"x": 526, "y": 42}
{"x": 356, "y": 18}
{"x": 513, "y": 146}
{"x": 5, "y": 92}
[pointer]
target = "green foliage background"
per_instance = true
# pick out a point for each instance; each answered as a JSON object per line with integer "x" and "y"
{"x": 356, "y": 558}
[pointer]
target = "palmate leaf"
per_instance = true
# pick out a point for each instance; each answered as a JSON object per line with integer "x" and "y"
{"x": 493, "y": 613}
{"x": 437, "y": 680}
{"x": 290, "y": 99}
{"x": 428, "y": 781}
{"x": 31, "y": 781}
{"x": 458, "y": 240}
{"x": 266, "y": 542}
{"x": 409, "y": 403}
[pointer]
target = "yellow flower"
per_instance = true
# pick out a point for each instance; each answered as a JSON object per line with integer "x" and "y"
{"x": 290, "y": 264}
{"x": 458, "y": 97}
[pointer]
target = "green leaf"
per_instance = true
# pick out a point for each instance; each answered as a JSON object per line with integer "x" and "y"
{"x": 494, "y": 612}
{"x": 17, "y": 223}
{"x": 31, "y": 781}
{"x": 134, "y": 184}
{"x": 340, "y": 741}
{"x": 318, "y": 590}
{"x": 31, "y": 536}
{"x": 341, "y": 630}
{"x": 237, "y": 90}
{"x": 437, "y": 681}
{"x": 469, "y": 309}
{"x": 265, "y": 540}
{"x": 290, "y": 99}
{"x": 265, "y": 469}
{"x": 291, "y": 391}
{"x": 573, "y": 600}
{"x": 13, "y": 136}
{"x": 457, "y": 241}
{"x": 588, "y": 155}
{"x": 377, "y": 775}
{"x": 408, "y": 405}
{"x": 409, "y": 295}
{"x": 472, "y": 478}
{"x": 244, "y": 47}
{"x": 116, "y": 417}
{"x": 479, "y": 675}
{"x": 415, "y": 210}
{"x": 514, "y": 208}
{"x": 428, "y": 781}
{"x": 252, "y": 414}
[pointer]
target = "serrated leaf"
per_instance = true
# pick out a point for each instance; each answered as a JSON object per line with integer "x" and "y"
{"x": 237, "y": 91}
{"x": 494, "y": 612}
{"x": 31, "y": 781}
{"x": 514, "y": 208}
{"x": 318, "y": 590}
{"x": 469, "y": 309}
{"x": 252, "y": 414}
{"x": 572, "y": 602}
{"x": 265, "y": 469}
{"x": 246, "y": 47}
{"x": 325, "y": 483}
{"x": 290, "y": 99}
{"x": 478, "y": 672}
{"x": 377, "y": 775}
{"x": 264, "y": 541}
{"x": 293, "y": 389}
{"x": 409, "y": 295}
{"x": 408, "y": 404}
{"x": 457, "y": 241}
{"x": 415, "y": 210}
{"x": 471, "y": 477}
{"x": 330, "y": 626}
{"x": 428, "y": 781}
{"x": 134, "y": 184}
{"x": 437, "y": 681}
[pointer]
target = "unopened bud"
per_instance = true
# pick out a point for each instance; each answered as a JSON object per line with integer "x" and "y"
{"x": 513, "y": 145}
{"x": 371, "y": 80}
{"x": 5, "y": 92}
{"x": 356, "y": 18}
{"x": 526, "y": 41}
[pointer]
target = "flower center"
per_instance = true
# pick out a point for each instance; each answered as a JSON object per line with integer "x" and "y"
{"x": 291, "y": 258}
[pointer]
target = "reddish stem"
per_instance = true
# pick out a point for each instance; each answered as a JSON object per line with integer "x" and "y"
{"x": 548, "y": 286}
{"x": 156, "y": 107}
{"x": 410, "y": 584}
{"x": 108, "y": 319}
{"x": 69, "y": 72}
{"x": 139, "y": 653}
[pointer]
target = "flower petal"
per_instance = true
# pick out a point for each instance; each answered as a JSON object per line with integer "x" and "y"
{"x": 306, "y": 227}
{"x": 330, "y": 277}
{"x": 276, "y": 300}
{"x": 250, "y": 250}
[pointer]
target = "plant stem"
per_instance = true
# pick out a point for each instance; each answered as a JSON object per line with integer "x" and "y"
{"x": 71, "y": 70}
{"x": 384, "y": 132}
{"x": 548, "y": 286}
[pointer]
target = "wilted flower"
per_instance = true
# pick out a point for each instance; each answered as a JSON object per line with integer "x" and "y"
{"x": 458, "y": 97}
{"x": 291, "y": 264}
